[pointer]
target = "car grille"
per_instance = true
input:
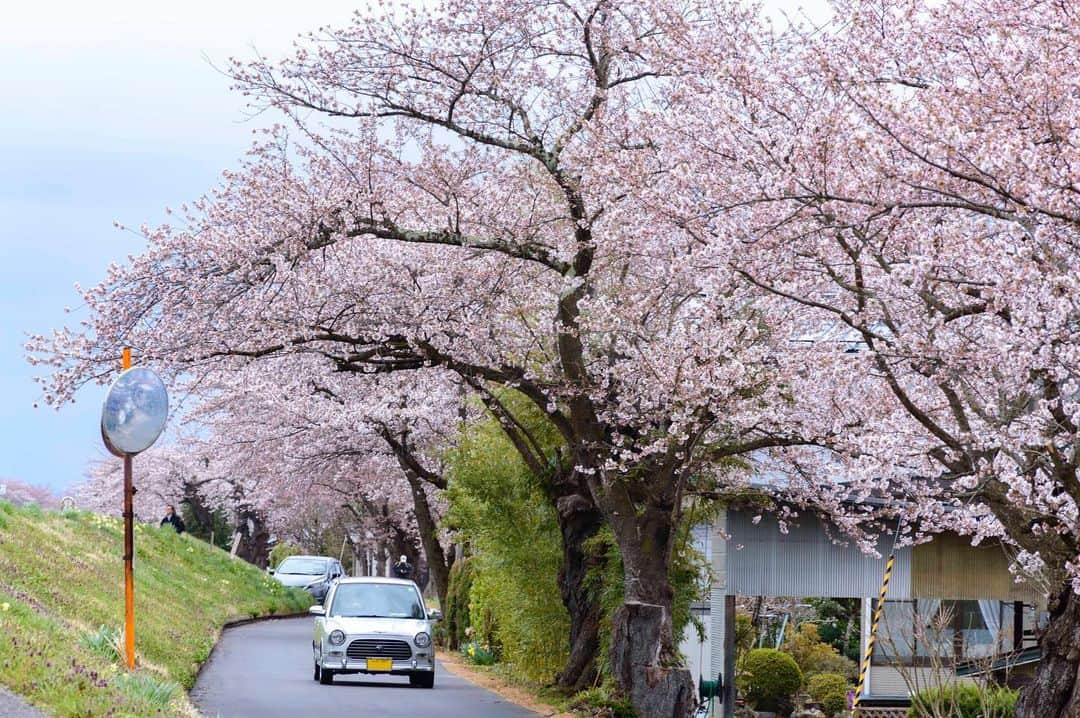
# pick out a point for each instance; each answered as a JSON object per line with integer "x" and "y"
{"x": 376, "y": 648}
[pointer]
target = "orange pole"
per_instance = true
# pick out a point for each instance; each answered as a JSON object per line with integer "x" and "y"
{"x": 129, "y": 549}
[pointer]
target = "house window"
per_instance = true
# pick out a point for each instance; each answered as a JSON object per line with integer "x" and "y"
{"x": 928, "y": 631}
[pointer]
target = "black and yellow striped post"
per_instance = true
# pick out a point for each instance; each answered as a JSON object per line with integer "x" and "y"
{"x": 878, "y": 610}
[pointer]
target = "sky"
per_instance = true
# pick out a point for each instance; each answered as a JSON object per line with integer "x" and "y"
{"x": 111, "y": 111}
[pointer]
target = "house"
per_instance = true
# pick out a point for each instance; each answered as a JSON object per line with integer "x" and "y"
{"x": 950, "y": 606}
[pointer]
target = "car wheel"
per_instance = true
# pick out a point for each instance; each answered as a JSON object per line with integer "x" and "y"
{"x": 326, "y": 677}
{"x": 318, "y": 672}
{"x": 422, "y": 680}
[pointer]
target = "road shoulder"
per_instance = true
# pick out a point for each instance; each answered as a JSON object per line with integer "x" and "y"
{"x": 454, "y": 664}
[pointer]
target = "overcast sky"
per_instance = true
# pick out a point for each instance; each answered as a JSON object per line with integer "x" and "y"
{"x": 111, "y": 110}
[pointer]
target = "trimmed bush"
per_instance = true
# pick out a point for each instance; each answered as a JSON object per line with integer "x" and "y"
{"x": 824, "y": 684}
{"x": 964, "y": 701}
{"x": 835, "y": 703}
{"x": 769, "y": 678}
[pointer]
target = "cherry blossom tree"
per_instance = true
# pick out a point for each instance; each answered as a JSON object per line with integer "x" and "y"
{"x": 906, "y": 176}
{"x": 307, "y": 428}
{"x": 465, "y": 210}
{"x": 164, "y": 474}
{"x": 20, "y": 492}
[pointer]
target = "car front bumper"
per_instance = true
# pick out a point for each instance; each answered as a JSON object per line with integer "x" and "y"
{"x": 340, "y": 663}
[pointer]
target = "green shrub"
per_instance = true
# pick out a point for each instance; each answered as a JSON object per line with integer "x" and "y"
{"x": 835, "y": 703}
{"x": 6, "y": 507}
{"x": 769, "y": 678}
{"x": 964, "y": 701}
{"x": 823, "y": 684}
{"x": 814, "y": 655}
{"x": 456, "y": 613}
{"x": 499, "y": 508}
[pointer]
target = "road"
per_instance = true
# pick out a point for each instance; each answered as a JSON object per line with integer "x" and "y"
{"x": 11, "y": 706}
{"x": 263, "y": 670}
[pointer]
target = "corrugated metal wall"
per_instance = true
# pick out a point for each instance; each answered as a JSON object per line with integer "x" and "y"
{"x": 889, "y": 682}
{"x": 763, "y": 561}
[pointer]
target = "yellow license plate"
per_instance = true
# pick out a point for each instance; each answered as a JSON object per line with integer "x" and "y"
{"x": 380, "y": 664}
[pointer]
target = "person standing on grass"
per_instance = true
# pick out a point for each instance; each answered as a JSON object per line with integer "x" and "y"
{"x": 173, "y": 518}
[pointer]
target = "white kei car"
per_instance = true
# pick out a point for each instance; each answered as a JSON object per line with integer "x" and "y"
{"x": 374, "y": 625}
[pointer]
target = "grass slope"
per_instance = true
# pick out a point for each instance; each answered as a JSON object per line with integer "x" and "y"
{"x": 61, "y": 611}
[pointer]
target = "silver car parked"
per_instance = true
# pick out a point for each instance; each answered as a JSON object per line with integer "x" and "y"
{"x": 374, "y": 625}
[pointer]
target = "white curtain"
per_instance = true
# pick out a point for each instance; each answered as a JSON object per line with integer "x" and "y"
{"x": 991, "y": 613}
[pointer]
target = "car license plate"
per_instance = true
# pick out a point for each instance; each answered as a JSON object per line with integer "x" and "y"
{"x": 380, "y": 664}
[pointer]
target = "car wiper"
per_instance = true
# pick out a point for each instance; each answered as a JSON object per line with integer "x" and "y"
{"x": 363, "y": 615}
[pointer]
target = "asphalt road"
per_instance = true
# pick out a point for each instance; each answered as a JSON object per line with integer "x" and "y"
{"x": 264, "y": 670}
{"x": 11, "y": 706}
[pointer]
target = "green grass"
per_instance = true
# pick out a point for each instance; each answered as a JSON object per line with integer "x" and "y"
{"x": 62, "y": 606}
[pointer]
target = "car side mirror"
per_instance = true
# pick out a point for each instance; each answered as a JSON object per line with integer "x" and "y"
{"x": 270, "y": 571}
{"x": 317, "y": 611}
{"x": 434, "y": 614}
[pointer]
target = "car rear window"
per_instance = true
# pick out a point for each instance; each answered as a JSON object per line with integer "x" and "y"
{"x": 303, "y": 566}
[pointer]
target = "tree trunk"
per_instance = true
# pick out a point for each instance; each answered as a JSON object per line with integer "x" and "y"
{"x": 579, "y": 520}
{"x": 199, "y": 510}
{"x": 254, "y": 536}
{"x": 429, "y": 538}
{"x": 644, "y": 655}
{"x": 1055, "y": 691}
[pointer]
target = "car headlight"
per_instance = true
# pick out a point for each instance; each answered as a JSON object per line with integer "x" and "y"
{"x": 337, "y": 637}
{"x": 422, "y": 640}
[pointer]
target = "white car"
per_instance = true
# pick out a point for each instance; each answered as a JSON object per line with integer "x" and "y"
{"x": 374, "y": 625}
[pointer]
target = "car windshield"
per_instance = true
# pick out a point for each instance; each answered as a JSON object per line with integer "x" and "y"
{"x": 305, "y": 566}
{"x": 377, "y": 600}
